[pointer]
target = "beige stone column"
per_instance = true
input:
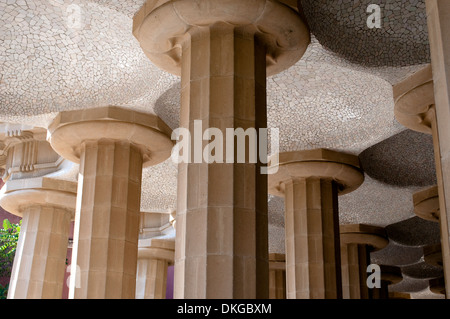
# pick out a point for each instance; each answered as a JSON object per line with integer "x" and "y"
{"x": 277, "y": 276}
{"x": 111, "y": 144}
{"x": 390, "y": 275}
{"x": 438, "y": 17}
{"x": 156, "y": 253}
{"x": 415, "y": 108}
{"x": 153, "y": 261}
{"x": 310, "y": 181}
{"x": 223, "y": 51}
{"x": 32, "y": 191}
{"x": 357, "y": 242}
{"x": 46, "y": 206}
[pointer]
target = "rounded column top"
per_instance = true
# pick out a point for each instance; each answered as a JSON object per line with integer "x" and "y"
{"x": 161, "y": 26}
{"x": 426, "y": 204}
{"x": 68, "y": 131}
{"x": 414, "y": 101}
{"x": 343, "y": 168}
{"x": 391, "y": 274}
{"x": 18, "y": 195}
{"x": 156, "y": 248}
{"x": 362, "y": 234}
{"x": 433, "y": 255}
{"x": 437, "y": 285}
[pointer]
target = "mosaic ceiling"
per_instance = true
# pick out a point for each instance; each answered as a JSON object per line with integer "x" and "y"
{"x": 58, "y": 55}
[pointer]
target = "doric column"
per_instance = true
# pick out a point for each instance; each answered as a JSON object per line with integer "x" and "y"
{"x": 357, "y": 242}
{"x": 223, "y": 51}
{"x": 277, "y": 276}
{"x": 415, "y": 108}
{"x": 153, "y": 260}
{"x": 111, "y": 144}
{"x": 310, "y": 181}
{"x": 390, "y": 275}
{"x": 438, "y": 13}
{"x": 46, "y": 206}
{"x": 156, "y": 253}
{"x": 426, "y": 204}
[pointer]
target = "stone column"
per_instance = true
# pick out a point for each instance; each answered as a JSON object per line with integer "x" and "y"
{"x": 32, "y": 191}
{"x": 357, "y": 242}
{"x": 223, "y": 51}
{"x": 153, "y": 261}
{"x": 156, "y": 253}
{"x": 310, "y": 181}
{"x": 415, "y": 108}
{"x": 46, "y": 206}
{"x": 390, "y": 275}
{"x": 438, "y": 17}
{"x": 277, "y": 276}
{"x": 111, "y": 144}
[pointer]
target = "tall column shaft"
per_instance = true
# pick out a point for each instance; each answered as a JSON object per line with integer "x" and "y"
{"x": 277, "y": 276}
{"x": 151, "y": 279}
{"x": 438, "y": 13}
{"x": 39, "y": 263}
{"x": 355, "y": 259}
{"x": 112, "y": 145}
{"x": 107, "y": 220}
{"x": 312, "y": 239}
{"x": 222, "y": 207}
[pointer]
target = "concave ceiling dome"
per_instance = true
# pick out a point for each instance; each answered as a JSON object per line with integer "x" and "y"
{"x": 57, "y": 55}
{"x": 341, "y": 26}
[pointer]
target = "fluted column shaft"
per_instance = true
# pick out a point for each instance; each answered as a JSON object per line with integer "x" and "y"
{"x": 107, "y": 221}
{"x": 112, "y": 145}
{"x": 151, "y": 278}
{"x": 355, "y": 259}
{"x": 39, "y": 263}
{"x": 277, "y": 276}
{"x": 312, "y": 239}
{"x": 222, "y": 207}
{"x": 438, "y": 13}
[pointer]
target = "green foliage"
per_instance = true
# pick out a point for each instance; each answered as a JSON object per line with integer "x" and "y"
{"x": 9, "y": 235}
{"x": 4, "y": 291}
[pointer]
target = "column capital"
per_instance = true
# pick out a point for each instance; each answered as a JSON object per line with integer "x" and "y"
{"x": 18, "y": 195}
{"x": 391, "y": 274}
{"x": 432, "y": 255}
{"x": 414, "y": 101}
{"x": 161, "y": 28}
{"x": 437, "y": 285}
{"x": 24, "y": 152}
{"x": 342, "y": 168}
{"x": 426, "y": 204}
{"x": 277, "y": 261}
{"x": 70, "y": 129}
{"x": 157, "y": 248}
{"x": 362, "y": 234}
